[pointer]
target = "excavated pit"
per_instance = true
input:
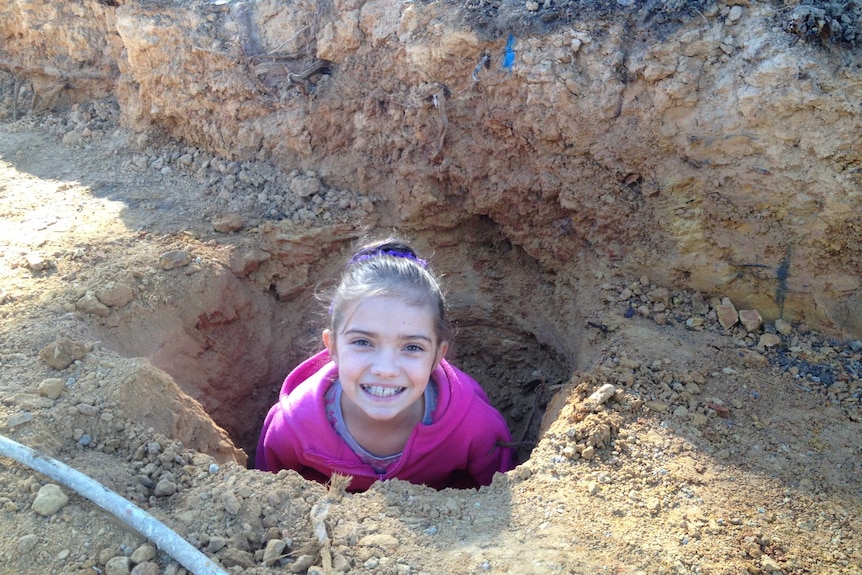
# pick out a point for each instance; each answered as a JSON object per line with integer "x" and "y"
{"x": 228, "y": 339}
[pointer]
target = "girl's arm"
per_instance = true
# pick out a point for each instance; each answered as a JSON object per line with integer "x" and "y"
{"x": 276, "y": 447}
{"x": 488, "y": 456}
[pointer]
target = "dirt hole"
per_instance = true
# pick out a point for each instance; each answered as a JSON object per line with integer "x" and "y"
{"x": 229, "y": 341}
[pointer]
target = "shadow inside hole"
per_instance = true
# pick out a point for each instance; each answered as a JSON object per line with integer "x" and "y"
{"x": 519, "y": 374}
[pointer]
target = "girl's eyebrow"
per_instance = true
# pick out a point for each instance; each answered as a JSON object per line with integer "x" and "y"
{"x": 358, "y": 331}
{"x": 420, "y": 337}
{"x": 372, "y": 334}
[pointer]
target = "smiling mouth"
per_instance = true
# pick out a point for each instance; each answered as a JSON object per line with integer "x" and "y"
{"x": 381, "y": 391}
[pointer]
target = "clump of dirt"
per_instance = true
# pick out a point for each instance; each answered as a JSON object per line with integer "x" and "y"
{"x": 820, "y": 22}
{"x": 825, "y": 23}
{"x": 654, "y": 19}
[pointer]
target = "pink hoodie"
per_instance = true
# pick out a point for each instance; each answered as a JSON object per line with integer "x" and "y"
{"x": 459, "y": 449}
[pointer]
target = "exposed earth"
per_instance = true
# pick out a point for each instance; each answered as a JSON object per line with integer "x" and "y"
{"x": 715, "y": 454}
{"x": 154, "y": 289}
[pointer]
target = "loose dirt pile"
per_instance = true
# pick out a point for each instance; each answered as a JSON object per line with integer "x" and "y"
{"x": 685, "y": 436}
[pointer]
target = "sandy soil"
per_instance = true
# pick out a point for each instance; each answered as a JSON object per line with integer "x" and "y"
{"x": 718, "y": 449}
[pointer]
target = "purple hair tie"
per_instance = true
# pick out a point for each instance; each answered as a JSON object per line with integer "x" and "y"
{"x": 395, "y": 254}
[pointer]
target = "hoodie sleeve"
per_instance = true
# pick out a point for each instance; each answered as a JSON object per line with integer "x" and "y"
{"x": 479, "y": 432}
{"x": 278, "y": 447}
{"x": 487, "y": 455}
{"x": 275, "y": 448}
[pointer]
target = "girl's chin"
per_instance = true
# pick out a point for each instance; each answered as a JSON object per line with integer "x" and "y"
{"x": 379, "y": 414}
{"x": 384, "y": 411}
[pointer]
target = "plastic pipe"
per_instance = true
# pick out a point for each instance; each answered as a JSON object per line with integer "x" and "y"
{"x": 127, "y": 512}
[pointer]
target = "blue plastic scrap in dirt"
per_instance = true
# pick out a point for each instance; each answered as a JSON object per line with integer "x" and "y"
{"x": 509, "y": 57}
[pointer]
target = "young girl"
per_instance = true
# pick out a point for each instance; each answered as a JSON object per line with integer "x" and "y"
{"x": 381, "y": 402}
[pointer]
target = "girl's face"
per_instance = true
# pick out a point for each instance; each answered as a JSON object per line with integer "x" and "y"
{"x": 385, "y": 353}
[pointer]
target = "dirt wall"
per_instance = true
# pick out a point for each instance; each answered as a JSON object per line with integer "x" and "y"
{"x": 714, "y": 149}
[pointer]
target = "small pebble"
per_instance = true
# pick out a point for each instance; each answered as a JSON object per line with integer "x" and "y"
{"x": 174, "y": 259}
{"x": 51, "y": 387}
{"x": 783, "y": 327}
{"x": 146, "y": 568}
{"x": 735, "y": 13}
{"x": 121, "y": 565}
{"x": 145, "y": 552}
{"x": 273, "y": 552}
{"x": 19, "y": 419}
{"x": 302, "y": 563}
{"x": 769, "y": 340}
{"x": 165, "y": 488}
{"x": 49, "y": 500}
{"x": 231, "y": 503}
{"x": 216, "y": 544}
{"x": 26, "y": 544}
{"x": 228, "y": 223}
{"x": 36, "y": 262}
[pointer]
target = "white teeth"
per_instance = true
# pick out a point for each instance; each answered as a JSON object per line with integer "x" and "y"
{"x": 380, "y": 391}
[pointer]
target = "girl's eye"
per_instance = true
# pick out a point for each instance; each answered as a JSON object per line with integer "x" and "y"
{"x": 360, "y": 342}
{"x": 412, "y": 347}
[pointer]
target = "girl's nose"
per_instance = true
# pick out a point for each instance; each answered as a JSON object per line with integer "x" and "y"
{"x": 385, "y": 364}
